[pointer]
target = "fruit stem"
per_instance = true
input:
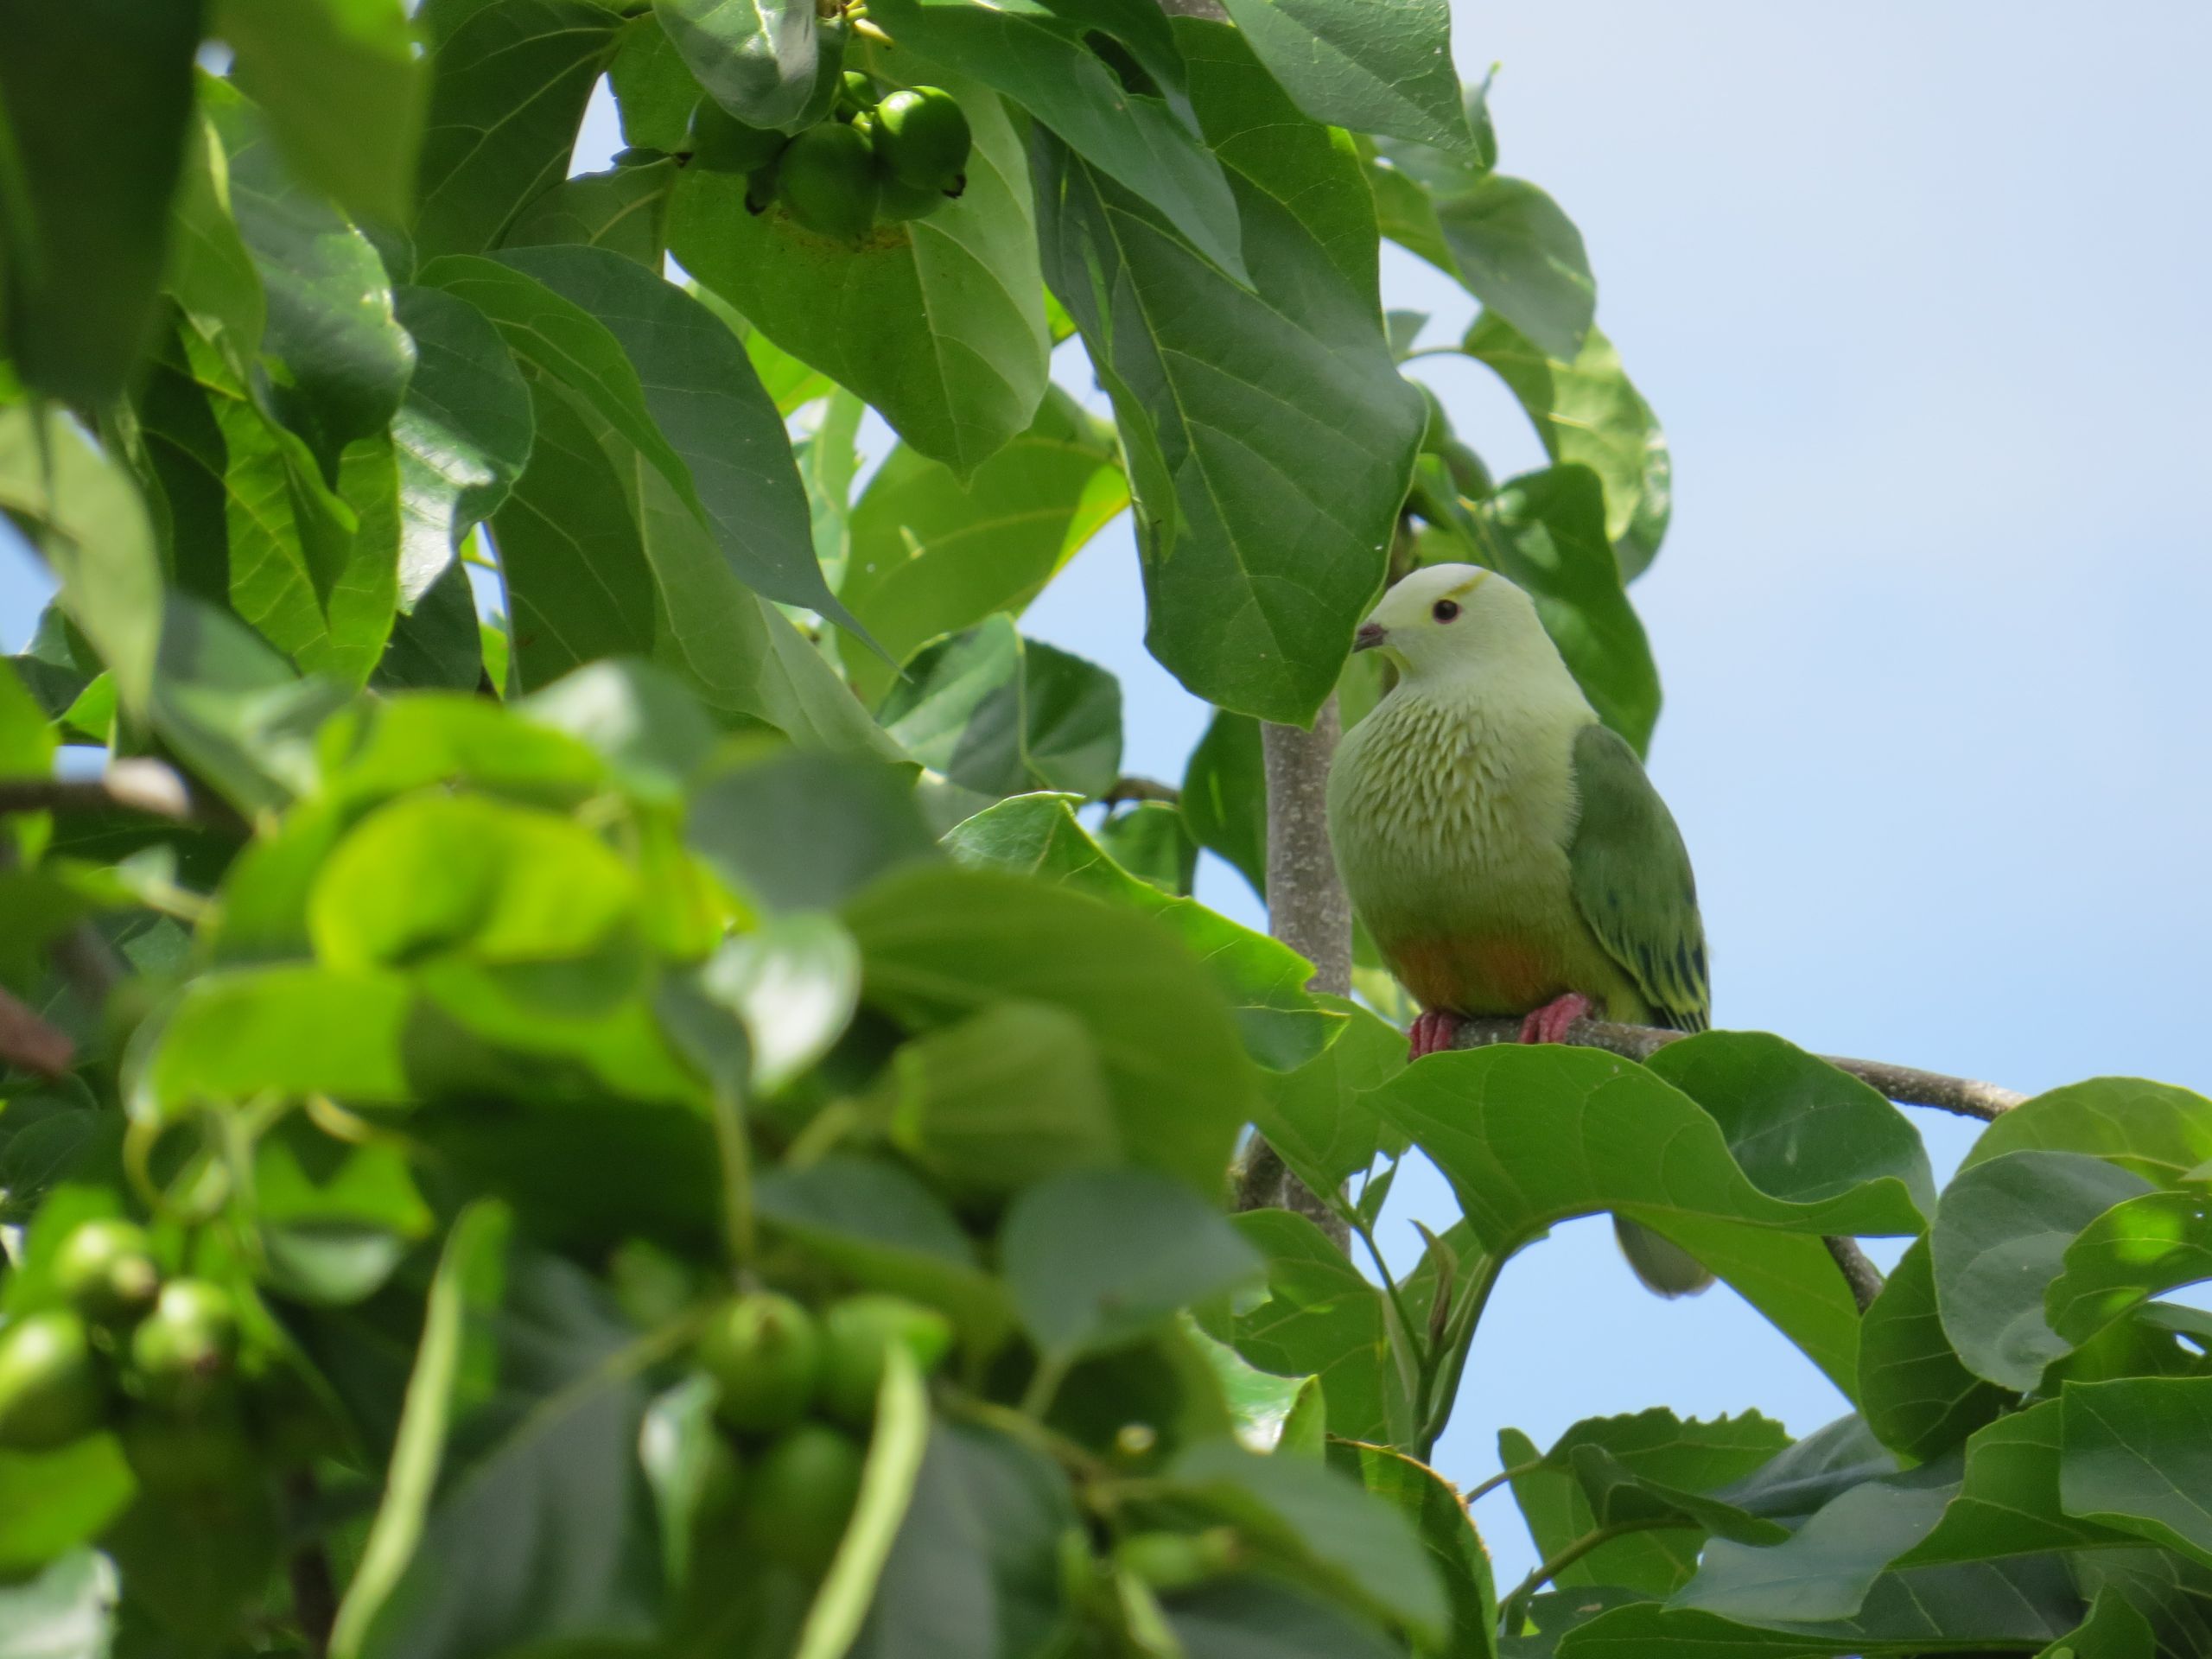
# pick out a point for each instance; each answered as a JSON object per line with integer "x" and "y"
{"x": 736, "y": 1151}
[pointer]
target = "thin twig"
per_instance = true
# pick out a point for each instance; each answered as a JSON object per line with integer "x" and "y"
{"x": 1904, "y": 1084}
{"x": 1475, "y": 1494}
{"x": 1511, "y": 1610}
{"x": 1140, "y": 789}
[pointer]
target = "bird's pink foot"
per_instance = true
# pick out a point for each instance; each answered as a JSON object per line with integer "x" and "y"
{"x": 1432, "y": 1031}
{"x": 1549, "y": 1023}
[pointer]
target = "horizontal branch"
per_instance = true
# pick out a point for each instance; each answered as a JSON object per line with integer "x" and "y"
{"x": 1904, "y": 1084}
{"x": 1140, "y": 789}
{"x": 134, "y": 783}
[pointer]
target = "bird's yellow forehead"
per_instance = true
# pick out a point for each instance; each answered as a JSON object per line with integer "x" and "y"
{"x": 1466, "y": 586}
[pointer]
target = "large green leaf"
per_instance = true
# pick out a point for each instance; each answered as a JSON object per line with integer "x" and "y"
{"x": 84, "y": 517}
{"x": 53, "y": 1502}
{"x": 1322, "y": 1318}
{"x": 1262, "y": 979}
{"x": 1918, "y": 1396}
{"x": 1001, "y": 715}
{"x": 1373, "y": 65}
{"x": 654, "y": 89}
{"x": 2160, "y": 1132}
{"x": 1235, "y": 404}
{"x": 508, "y": 86}
{"x": 937, "y": 323}
{"x": 2139, "y": 1249}
{"x": 797, "y": 832}
{"x": 937, "y": 944}
{"x": 624, "y": 209}
{"x": 463, "y": 433}
{"x": 232, "y": 711}
{"x": 2139, "y": 1456}
{"x": 99, "y": 101}
{"x": 1585, "y": 410}
{"x": 932, "y": 555}
{"x": 1998, "y": 1240}
{"x": 1225, "y": 796}
{"x": 1248, "y": 1616}
{"x": 344, "y": 92}
{"x": 1791, "y": 1278}
{"x": 1318, "y": 1116}
{"x": 1133, "y": 139}
{"x": 1439, "y": 1513}
{"x": 1096, "y": 1257}
{"x": 1530, "y": 1136}
{"x": 755, "y": 57}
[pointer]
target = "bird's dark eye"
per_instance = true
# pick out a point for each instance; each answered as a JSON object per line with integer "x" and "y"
{"x": 1444, "y": 609}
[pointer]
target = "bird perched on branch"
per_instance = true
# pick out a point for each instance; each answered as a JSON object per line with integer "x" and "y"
{"x": 1504, "y": 849}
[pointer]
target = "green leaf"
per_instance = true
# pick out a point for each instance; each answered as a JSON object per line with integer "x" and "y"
{"x": 211, "y": 273}
{"x": 654, "y": 89}
{"x": 1234, "y": 405}
{"x": 1245, "y": 1617}
{"x": 1586, "y": 410}
{"x": 1132, "y": 138}
{"x": 467, "y": 1266}
{"x": 2139, "y": 1456}
{"x": 27, "y": 741}
{"x": 1011, "y": 1095}
{"x": 343, "y": 90}
{"x": 801, "y": 831}
{"x": 794, "y": 982}
{"x": 2140, "y": 1247}
{"x": 2161, "y": 1132}
{"x": 1530, "y": 1136}
{"x": 1919, "y": 1397}
{"x": 1262, "y": 1405}
{"x": 508, "y": 87}
{"x": 624, "y": 211}
{"x": 1096, "y": 1257}
{"x": 1001, "y": 715}
{"x": 98, "y": 96}
{"x": 1225, "y": 796}
{"x": 2114, "y": 1629}
{"x": 1371, "y": 67}
{"x": 65, "y": 1611}
{"x": 1149, "y": 842}
{"x": 827, "y": 461}
{"x": 901, "y": 1432}
{"x": 1318, "y": 1116}
{"x": 501, "y": 1562}
{"x": 1998, "y": 1240}
{"x": 292, "y": 1030}
{"x": 1262, "y": 979}
{"x": 52, "y": 1502}
{"x": 1792, "y": 1281}
{"x": 1321, "y": 1524}
{"x": 1447, "y": 1532}
{"x": 932, "y": 555}
{"x": 755, "y": 57}
{"x": 976, "y": 1568}
{"x": 938, "y": 944}
{"x": 937, "y": 323}
{"x": 2173, "y": 1593}
{"x": 84, "y": 517}
{"x": 463, "y": 434}
{"x": 1323, "y": 1319}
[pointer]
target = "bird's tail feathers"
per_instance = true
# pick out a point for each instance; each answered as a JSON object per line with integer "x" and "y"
{"x": 1666, "y": 1268}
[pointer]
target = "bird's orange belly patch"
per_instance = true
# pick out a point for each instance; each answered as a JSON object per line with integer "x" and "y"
{"x": 1477, "y": 973}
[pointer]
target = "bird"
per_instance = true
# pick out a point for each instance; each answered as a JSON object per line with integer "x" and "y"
{"x": 1503, "y": 847}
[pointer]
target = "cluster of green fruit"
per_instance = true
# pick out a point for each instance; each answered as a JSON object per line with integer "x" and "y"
{"x": 898, "y": 157}
{"x": 169, "y": 1347}
{"x": 797, "y": 1394}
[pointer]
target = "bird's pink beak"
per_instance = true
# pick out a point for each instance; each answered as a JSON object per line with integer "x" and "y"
{"x": 1371, "y": 634}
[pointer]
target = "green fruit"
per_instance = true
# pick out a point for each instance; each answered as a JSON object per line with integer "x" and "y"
{"x": 858, "y": 1334}
{"x": 1175, "y": 1561}
{"x": 827, "y": 178}
{"x": 801, "y": 1495}
{"x": 107, "y": 1270}
{"x": 855, "y": 93}
{"x": 723, "y": 143}
{"x": 175, "y": 1456}
{"x": 923, "y": 137}
{"x": 764, "y": 1353}
{"x": 182, "y": 1352}
{"x": 895, "y": 199}
{"x": 51, "y": 1389}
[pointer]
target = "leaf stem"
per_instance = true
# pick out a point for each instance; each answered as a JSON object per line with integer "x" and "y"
{"x": 735, "y": 1151}
{"x": 1477, "y": 1494}
{"x": 1043, "y": 1383}
{"x": 1515, "y": 1607}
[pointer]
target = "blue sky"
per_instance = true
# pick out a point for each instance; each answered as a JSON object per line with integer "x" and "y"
{"x": 1918, "y": 291}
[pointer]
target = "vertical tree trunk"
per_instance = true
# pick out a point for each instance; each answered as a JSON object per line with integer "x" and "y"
{"x": 1308, "y": 912}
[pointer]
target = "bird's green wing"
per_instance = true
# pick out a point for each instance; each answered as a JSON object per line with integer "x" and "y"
{"x": 1632, "y": 880}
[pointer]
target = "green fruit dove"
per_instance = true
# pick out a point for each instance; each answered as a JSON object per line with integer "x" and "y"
{"x": 1504, "y": 849}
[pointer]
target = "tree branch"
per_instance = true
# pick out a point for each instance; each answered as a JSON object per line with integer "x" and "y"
{"x": 28, "y": 1042}
{"x": 134, "y": 783}
{"x": 1861, "y": 1275}
{"x": 1308, "y": 912}
{"x": 1902, "y": 1083}
{"x": 1140, "y": 789}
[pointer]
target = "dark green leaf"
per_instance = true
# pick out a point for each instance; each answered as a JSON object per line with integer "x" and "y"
{"x": 1792, "y": 1281}
{"x": 2160, "y": 1132}
{"x": 1096, "y": 1257}
{"x": 1253, "y": 1618}
{"x": 654, "y": 89}
{"x": 624, "y": 211}
{"x": 2138, "y": 1456}
{"x": 1998, "y": 1240}
{"x": 804, "y": 832}
{"x": 1225, "y": 796}
{"x": 343, "y": 89}
{"x": 1255, "y": 573}
{"x": 1373, "y": 68}
{"x": 463, "y": 434}
{"x": 1322, "y": 1318}
{"x": 1001, "y": 715}
{"x": 1447, "y": 1532}
{"x": 1919, "y": 1399}
{"x": 1135, "y": 140}
{"x": 1318, "y": 1116}
{"x": 1586, "y": 411}
{"x": 98, "y": 96}
{"x": 1149, "y": 842}
{"x": 2114, "y": 1629}
{"x": 508, "y": 86}
{"x": 937, "y": 944}
{"x": 937, "y": 323}
{"x": 755, "y": 57}
{"x": 932, "y": 555}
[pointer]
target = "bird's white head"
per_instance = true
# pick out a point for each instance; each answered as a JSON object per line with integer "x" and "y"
{"x": 1453, "y": 620}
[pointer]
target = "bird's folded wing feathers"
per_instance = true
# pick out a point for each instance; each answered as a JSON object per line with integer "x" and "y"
{"x": 1632, "y": 882}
